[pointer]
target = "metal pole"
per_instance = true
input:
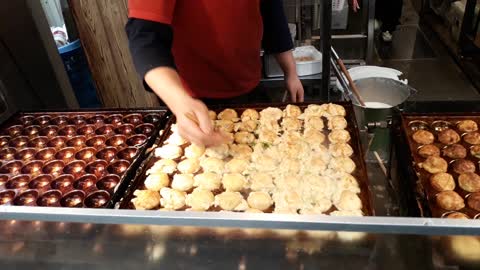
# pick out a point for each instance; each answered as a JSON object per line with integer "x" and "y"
{"x": 326, "y": 41}
{"x": 370, "y": 30}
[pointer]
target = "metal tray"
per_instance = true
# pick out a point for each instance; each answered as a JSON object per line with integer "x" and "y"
{"x": 73, "y": 158}
{"x": 360, "y": 173}
{"x": 425, "y": 193}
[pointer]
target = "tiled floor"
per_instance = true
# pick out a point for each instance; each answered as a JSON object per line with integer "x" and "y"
{"x": 425, "y": 61}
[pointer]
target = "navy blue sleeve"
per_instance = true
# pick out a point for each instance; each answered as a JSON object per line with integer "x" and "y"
{"x": 150, "y": 45}
{"x": 276, "y": 35}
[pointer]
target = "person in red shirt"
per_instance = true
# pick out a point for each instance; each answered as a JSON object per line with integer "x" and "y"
{"x": 192, "y": 50}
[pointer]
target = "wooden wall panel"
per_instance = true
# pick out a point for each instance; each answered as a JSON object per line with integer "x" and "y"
{"x": 101, "y": 28}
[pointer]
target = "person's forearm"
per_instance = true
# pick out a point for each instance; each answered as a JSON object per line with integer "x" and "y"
{"x": 166, "y": 83}
{"x": 287, "y": 63}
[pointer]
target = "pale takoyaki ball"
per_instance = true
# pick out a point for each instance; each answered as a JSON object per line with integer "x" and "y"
{"x": 212, "y": 115}
{"x": 313, "y": 136}
{"x": 289, "y": 165}
{"x": 241, "y": 151}
{"x": 211, "y": 164}
{"x": 315, "y": 110}
{"x": 336, "y": 110}
{"x": 259, "y": 200}
{"x": 224, "y": 125}
{"x": 291, "y": 123}
{"x": 228, "y": 114}
{"x": 200, "y": 199}
{"x": 244, "y": 137}
{"x": 321, "y": 152}
{"x": 287, "y": 199}
{"x": 247, "y": 125}
{"x": 189, "y": 165}
{"x": 319, "y": 206}
{"x": 347, "y": 182}
{"x": 176, "y": 139}
{"x": 231, "y": 201}
{"x": 337, "y": 122}
{"x": 236, "y": 165}
{"x": 314, "y": 122}
{"x": 182, "y": 182}
{"x": 316, "y": 165}
{"x": 270, "y": 124}
{"x": 219, "y": 151}
{"x": 172, "y": 198}
{"x": 169, "y": 151}
{"x": 340, "y": 150}
{"x": 265, "y": 163}
{"x": 250, "y": 114}
{"x": 267, "y": 135}
{"x": 163, "y": 166}
{"x": 194, "y": 151}
{"x": 156, "y": 182}
{"x": 209, "y": 181}
{"x": 271, "y": 113}
{"x": 342, "y": 164}
{"x": 339, "y": 136}
{"x": 292, "y": 111}
{"x": 349, "y": 201}
{"x": 234, "y": 182}
{"x": 261, "y": 182}
{"x": 146, "y": 199}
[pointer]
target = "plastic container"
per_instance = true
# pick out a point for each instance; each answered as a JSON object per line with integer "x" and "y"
{"x": 339, "y": 14}
{"x": 304, "y": 68}
{"x": 79, "y": 74}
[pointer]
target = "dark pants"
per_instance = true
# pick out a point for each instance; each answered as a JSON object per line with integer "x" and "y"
{"x": 389, "y": 13}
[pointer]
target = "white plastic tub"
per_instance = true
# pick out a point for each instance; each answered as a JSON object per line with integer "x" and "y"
{"x": 304, "y": 68}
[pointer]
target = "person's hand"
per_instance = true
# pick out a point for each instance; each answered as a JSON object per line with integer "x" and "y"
{"x": 295, "y": 88}
{"x": 194, "y": 123}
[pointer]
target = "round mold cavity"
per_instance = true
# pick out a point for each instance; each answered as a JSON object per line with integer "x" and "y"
{"x": 106, "y": 130}
{"x": 46, "y": 154}
{"x": 418, "y": 125}
{"x": 40, "y": 182}
{"x": 134, "y": 119}
{"x": 125, "y": 129}
{"x": 127, "y": 153}
{"x": 118, "y": 167}
{"x": 114, "y": 119}
{"x": 28, "y": 197}
{"x": 59, "y": 120}
{"x": 50, "y": 198}
{"x": 151, "y": 118}
{"x": 98, "y": 141}
{"x": 63, "y": 182}
{"x": 26, "y": 154}
{"x": 446, "y": 214}
{"x": 8, "y": 153}
{"x": 57, "y": 142}
{"x": 19, "y": 142}
{"x": 441, "y": 125}
{"x": 42, "y": 120}
{"x": 49, "y": 131}
{"x": 73, "y": 199}
{"x": 66, "y": 154}
{"x": 38, "y": 142}
{"x": 75, "y": 168}
{"x": 54, "y": 167}
{"x": 68, "y": 131}
{"x": 26, "y": 119}
{"x": 77, "y": 142}
{"x": 86, "y": 154}
{"x": 14, "y": 131}
{"x": 96, "y": 119}
{"x": 117, "y": 140}
{"x": 86, "y": 130}
{"x": 107, "y": 153}
{"x": 77, "y": 120}
{"x": 12, "y": 167}
{"x": 4, "y": 179}
{"x": 4, "y": 140}
{"x": 96, "y": 168}
{"x": 31, "y": 130}
{"x": 85, "y": 182}
{"x": 145, "y": 129}
{"x": 18, "y": 182}
{"x": 108, "y": 183}
{"x": 6, "y": 196}
{"x": 97, "y": 199}
{"x": 137, "y": 140}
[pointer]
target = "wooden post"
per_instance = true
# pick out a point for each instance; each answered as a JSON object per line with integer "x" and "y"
{"x": 101, "y": 26}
